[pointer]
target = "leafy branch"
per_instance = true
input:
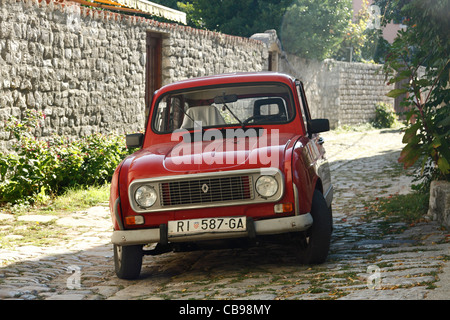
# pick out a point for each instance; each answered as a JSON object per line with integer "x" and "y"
{"x": 424, "y": 45}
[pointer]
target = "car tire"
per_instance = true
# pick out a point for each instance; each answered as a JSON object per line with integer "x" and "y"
{"x": 315, "y": 242}
{"x": 128, "y": 261}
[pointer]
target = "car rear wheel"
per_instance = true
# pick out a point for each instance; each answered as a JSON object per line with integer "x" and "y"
{"x": 315, "y": 242}
{"x": 128, "y": 261}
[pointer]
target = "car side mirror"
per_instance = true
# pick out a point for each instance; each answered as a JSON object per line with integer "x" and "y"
{"x": 134, "y": 140}
{"x": 318, "y": 125}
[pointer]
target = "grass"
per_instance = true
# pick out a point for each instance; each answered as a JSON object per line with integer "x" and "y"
{"x": 408, "y": 208}
{"x": 354, "y": 128}
{"x": 14, "y": 232}
{"x": 74, "y": 199}
{"x": 362, "y": 127}
{"x": 78, "y": 199}
{"x": 21, "y": 233}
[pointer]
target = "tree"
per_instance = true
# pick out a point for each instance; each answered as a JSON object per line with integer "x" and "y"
{"x": 391, "y": 10}
{"x": 365, "y": 40}
{"x": 315, "y": 29}
{"x": 424, "y": 44}
{"x": 192, "y": 17}
{"x": 236, "y": 17}
{"x": 355, "y": 37}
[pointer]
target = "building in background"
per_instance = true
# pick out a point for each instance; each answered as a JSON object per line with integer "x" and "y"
{"x": 390, "y": 30}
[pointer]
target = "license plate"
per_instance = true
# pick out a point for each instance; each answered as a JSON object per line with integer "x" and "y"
{"x": 207, "y": 225}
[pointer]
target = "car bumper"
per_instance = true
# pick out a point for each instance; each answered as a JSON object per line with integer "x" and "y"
{"x": 255, "y": 228}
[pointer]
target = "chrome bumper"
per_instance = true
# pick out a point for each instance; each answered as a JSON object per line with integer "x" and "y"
{"x": 261, "y": 227}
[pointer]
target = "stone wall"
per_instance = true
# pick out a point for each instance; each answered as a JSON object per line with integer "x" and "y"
{"x": 343, "y": 92}
{"x": 85, "y": 68}
{"x": 361, "y": 86}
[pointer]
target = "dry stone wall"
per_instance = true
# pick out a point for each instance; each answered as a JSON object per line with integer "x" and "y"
{"x": 85, "y": 68}
{"x": 343, "y": 92}
{"x": 361, "y": 86}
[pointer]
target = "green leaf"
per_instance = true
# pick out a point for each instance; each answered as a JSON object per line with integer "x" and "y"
{"x": 436, "y": 142}
{"x": 444, "y": 122}
{"x": 423, "y": 82}
{"x": 443, "y": 165}
{"x": 409, "y": 155}
{"x": 396, "y": 93}
{"x": 405, "y": 74}
{"x": 410, "y": 133}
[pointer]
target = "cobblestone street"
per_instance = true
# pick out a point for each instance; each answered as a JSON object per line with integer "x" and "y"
{"x": 364, "y": 262}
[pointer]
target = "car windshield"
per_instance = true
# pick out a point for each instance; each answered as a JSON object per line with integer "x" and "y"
{"x": 241, "y": 105}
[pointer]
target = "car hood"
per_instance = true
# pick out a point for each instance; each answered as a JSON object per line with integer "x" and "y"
{"x": 177, "y": 157}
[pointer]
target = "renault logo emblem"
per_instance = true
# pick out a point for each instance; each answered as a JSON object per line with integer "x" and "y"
{"x": 205, "y": 188}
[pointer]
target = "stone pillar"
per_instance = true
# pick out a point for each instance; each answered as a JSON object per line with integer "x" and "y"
{"x": 439, "y": 208}
{"x": 273, "y": 49}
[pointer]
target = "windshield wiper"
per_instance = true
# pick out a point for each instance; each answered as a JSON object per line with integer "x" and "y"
{"x": 228, "y": 98}
{"x": 193, "y": 121}
{"x": 240, "y": 122}
{"x": 182, "y": 110}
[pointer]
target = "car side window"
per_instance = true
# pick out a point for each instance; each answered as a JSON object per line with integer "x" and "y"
{"x": 305, "y": 114}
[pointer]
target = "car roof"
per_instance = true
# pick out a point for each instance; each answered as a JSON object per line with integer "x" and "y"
{"x": 228, "y": 78}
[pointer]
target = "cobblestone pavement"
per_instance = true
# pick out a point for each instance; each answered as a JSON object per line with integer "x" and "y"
{"x": 363, "y": 263}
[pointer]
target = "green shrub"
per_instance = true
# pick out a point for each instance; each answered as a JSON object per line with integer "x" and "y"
{"x": 40, "y": 169}
{"x": 419, "y": 66}
{"x": 385, "y": 116}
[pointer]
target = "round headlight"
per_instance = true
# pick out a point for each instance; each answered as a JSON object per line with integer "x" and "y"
{"x": 266, "y": 186}
{"x": 145, "y": 196}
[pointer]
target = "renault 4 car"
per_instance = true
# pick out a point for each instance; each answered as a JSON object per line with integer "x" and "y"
{"x": 231, "y": 156}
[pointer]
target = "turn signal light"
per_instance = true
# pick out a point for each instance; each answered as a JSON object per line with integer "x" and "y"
{"x": 283, "y": 207}
{"x": 133, "y": 220}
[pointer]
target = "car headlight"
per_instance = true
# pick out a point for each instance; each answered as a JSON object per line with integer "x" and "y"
{"x": 266, "y": 186}
{"x": 145, "y": 196}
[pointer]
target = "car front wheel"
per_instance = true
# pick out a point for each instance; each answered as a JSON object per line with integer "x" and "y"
{"x": 128, "y": 261}
{"x": 315, "y": 242}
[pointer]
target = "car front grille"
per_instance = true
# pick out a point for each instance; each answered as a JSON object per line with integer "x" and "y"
{"x": 206, "y": 190}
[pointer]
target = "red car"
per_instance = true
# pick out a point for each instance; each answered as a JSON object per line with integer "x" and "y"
{"x": 223, "y": 157}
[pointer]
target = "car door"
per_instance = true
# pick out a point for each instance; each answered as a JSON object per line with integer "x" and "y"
{"x": 315, "y": 147}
